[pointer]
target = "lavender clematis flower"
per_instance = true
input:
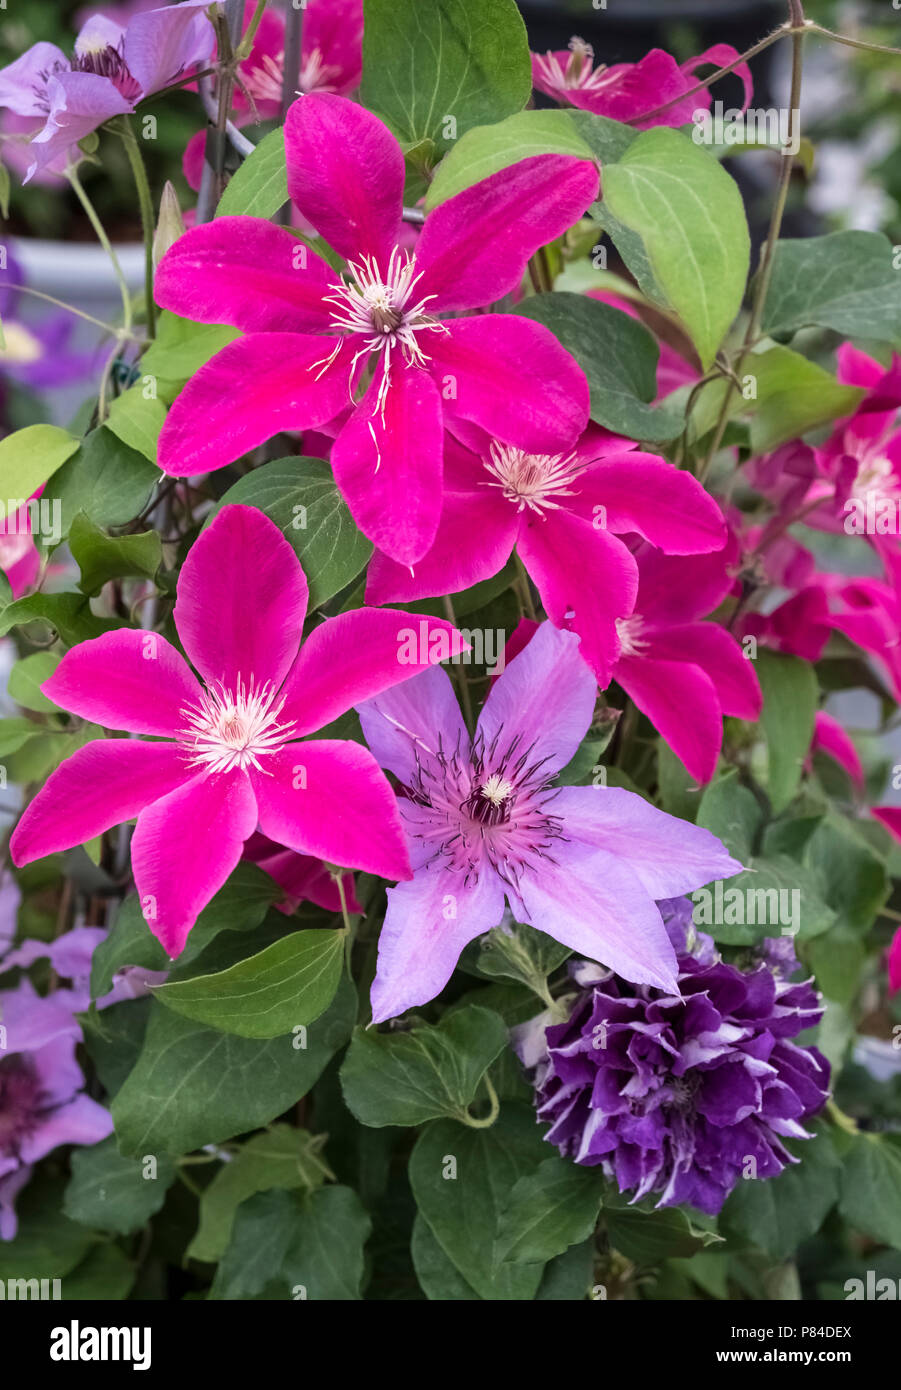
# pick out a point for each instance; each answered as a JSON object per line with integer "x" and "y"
{"x": 110, "y": 71}
{"x": 37, "y": 353}
{"x": 483, "y": 823}
{"x": 673, "y": 1092}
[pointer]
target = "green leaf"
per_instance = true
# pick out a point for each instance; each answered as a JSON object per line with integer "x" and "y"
{"x": 325, "y": 1259}
{"x": 423, "y": 64}
{"x": 105, "y": 479}
{"x": 68, "y": 614}
{"x": 281, "y": 1157}
{"x": 291, "y": 982}
{"x": 870, "y": 1199}
{"x": 648, "y": 1236}
{"x": 114, "y": 1037}
{"x": 845, "y": 281}
{"x": 425, "y": 1074}
{"x": 461, "y": 1179}
{"x": 438, "y": 1276}
{"x": 47, "y": 1245}
{"x": 618, "y": 356}
{"x": 300, "y": 496}
{"x": 112, "y": 1193}
{"x": 26, "y": 678}
{"x": 261, "y": 1233}
{"x": 732, "y": 813}
{"x": 548, "y": 1211}
{"x": 487, "y": 149}
{"x": 106, "y": 1274}
{"x": 568, "y": 1276}
{"x": 15, "y": 733}
{"x": 28, "y": 458}
{"x": 691, "y": 220}
{"x": 180, "y": 348}
{"x": 777, "y": 1214}
{"x": 790, "y": 698}
{"x": 259, "y": 187}
{"x": 853, "y": 876}
{"x": 774, "y": 896}
{"x": 194, "y": 1086}
{"x": 137, "y": 419}
{"x": 101, "y": 557}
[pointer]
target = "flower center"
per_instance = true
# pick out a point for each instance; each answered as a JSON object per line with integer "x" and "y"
{"x": 233, "y": 729}
{"x": 581, "y": 56}
{"x": 317, "y": 76}
{"x": 532, "y": 480}
{"x": 106, "y": 61}
{"x": 265, "y": 82}
{"x": 875, "y": 475}
{"x": 489, "y": 803}
{"x": 21, "y": 347}
{"x": 629, "y": 631}
{"x": 20, "y": 1100}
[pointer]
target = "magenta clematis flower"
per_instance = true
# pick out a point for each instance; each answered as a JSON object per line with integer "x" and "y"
{"x": 682, "y": 673}
{"x": 831, "y": 738}
{"x": 562, "y": 513}
{"x": 302, "y": 877}
{"x": 584, "y": 864}
{"x": 230, "y": 762}
{"x": 42, "y": 1103}
{"x": 626, "y": 91}
{"x": 314, "y": 341}
{"x": 111, "y": 70}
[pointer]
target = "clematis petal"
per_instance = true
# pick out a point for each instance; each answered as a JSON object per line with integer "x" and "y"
{"x": 335, "y": 29}
{"x": 125, "y": 679}
{"x": 596, "y": 904}
{"x": 669, "y": 856}
{"x": 716, "y": 652}
{"x": 475, "y": 537}
{"x": 587, "y": 579}
{"x": 512, "y": 377}
{"x": 356, "y": 655}
{"x": 331, "y": 799}
{"x": 345, "y": 175}
{"x": 242, "y": 599}
{"x": 22, "y": 82}
{"x": 101, "y": 785}
{"x": 246, "y": 272}
{"x": 831, "y": 737}
{"x": 248, "y": 392}
{"x": 677, "y": 589}
{"x": 162, "y": 44}
{"x": 545, "y": 698}
{"x": 643, "y": 493}
{"x": 185, "y": 846}
{"x": 666, "y": 691}
{"x": 81, "y": 1121}
{"x": 474, "y": 247}
{"x": 423, "y": 934}
{"x": 417, "y": 722}
{"x": 78, "y": 103}
{"x": 388, "y": 462}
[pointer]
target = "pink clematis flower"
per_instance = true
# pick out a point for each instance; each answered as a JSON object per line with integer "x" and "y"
{"x": 626, "y": 91}
{"x": 682, "y": 673}
{"x": 314, "y": 340}
{"x": 230, "y": 761}
{"x": 112, "y": 69}
{"x": 485, "y": 824}
{"x": 302, "y": 877}
{"x": 831, "y": 738}
{"x": 563, "y": 513}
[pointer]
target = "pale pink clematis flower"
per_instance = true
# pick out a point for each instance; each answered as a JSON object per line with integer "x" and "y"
{"x": 314, "y": 341}
{"x": 230, "y": 761}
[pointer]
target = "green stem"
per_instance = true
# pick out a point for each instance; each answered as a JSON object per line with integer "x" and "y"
{"x": 851, "y": 43}
{"x": 840, "y": 1119}
{"x": 70, "y": 308}
{"x": 459, "y": 673}
{"x": 525, "y": 592}
{"x": 246, "y": 44}
{"x": 145, "y": 203}
{"x": 91, "y": 213}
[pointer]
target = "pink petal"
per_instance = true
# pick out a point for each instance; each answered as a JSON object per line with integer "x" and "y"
{"x": 894, "y": 963}
{"x": 643, "y": 493}
{"x": 587, "y": 580}
{"x": 413, "y": 722}
{"x": 830, "y": 737}
{"x": 720, "y": 55}
{"x": 356, "y": 655}
{"x": 184, "y": 848}
{"x": 512, "y": 377}
{"x": 545, "y": 698}
{"x": 251, "y": 390}
{"x": 125, "y": 679}
{"x": 474, "y": 248}
{"x": 717, "y": 653}
{"x": 677, "y": 589}
{"x": 242, "y": 599}
{"x": 388, "y": 462}
{"x": 475, "y": 536}
{"x": 856, "y": 368}
{"x": 331, "y": 799}
{"x": 345, "y": 175}
{"x": 335, "y": 28}
{"x": 101, "y": 785}
{"x": 246, "y": 272}
{"x": 162, "y": 44}
{"x": 79, "y": 102}
{"x": 668, "y": 855}
{"x": 597, "y": 905}
{"x": 665, "y": 691}
{"x": 427, "y": 925}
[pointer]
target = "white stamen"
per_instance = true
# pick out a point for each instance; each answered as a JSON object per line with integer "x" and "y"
{"x": 496, "y": 789}
{"x": 532, "y": 480}
{"x": 629, "y": 631}
{"x": 233, "y": 729}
